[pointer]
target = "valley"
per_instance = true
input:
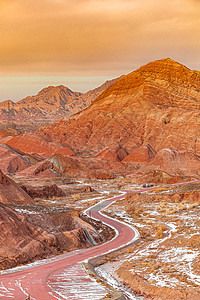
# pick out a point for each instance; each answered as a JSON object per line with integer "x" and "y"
{"x": 165, "y": 219}
{"x": 100, "y": 198}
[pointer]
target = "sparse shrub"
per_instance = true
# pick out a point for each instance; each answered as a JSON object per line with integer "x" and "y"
{"x": 193, "y": 205}
{"x": 76, "y": 196}
{"x": 159, "y": 233}
{"x": 182, "y": 207}
{"x": 162, "y": 204}
{"x": 130, "y": 210}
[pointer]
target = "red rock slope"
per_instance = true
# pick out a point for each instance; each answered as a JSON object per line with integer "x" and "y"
{"x": 153, "y": 108}
{"x": 158, "y": 104}
{"x": 22, "y": 241}
{"x": 50, "y": 104}
{"x": 32, "y": 143}
{"x": 11, "y": 192}
{"x": 12, "y": 162}
{"x": 175, "y": 163}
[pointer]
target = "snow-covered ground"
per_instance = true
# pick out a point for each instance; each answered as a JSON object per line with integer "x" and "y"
{"x": 107, "y": 272}
{"x": 74, "y": 283}
{"x": 168, "y": 260}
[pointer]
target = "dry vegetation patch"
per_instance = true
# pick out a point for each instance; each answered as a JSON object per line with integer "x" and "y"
{"x": 167, "y": 258}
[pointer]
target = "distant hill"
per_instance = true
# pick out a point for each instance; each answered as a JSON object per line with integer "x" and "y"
{"x": 50, "y": 104}
{"x": 157, "y": 105}
{"x": 146, "y": 121}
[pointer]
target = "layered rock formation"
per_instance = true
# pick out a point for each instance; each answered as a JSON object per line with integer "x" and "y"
{"x": 32, "y": 143}
{"x": 133, "y": 111}
{"x": 147, "y": 120}
{"x": 45, "y": 192}
{"x": 158, "y": 177}
{"x": 50, "y": 104}
{"x": 11, "y": 161}
{"x": 72, "y": 167}
{"x": 175, "y": 162}
{"x": 157, "y": 105}
{"x": 143, "y": 154}
{"x": 71, "y": 231}
{"x": 25, "y": 238}
{"x": 43, "y": 169}
{"x": 11, "y": 192}
{"x": 59, "y": 165}
{"x": 112, "y": 154}
{"x": 21, "y": 241}
{"x": 8, "y": 132}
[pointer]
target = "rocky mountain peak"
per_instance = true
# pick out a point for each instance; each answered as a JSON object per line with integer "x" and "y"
{"x": 7, "y": 104}
{"x": 151, "y": 106}
{"x": 54, "y": 89}
{"x": 50, "y": 104}
{"x": 161, "y": 82}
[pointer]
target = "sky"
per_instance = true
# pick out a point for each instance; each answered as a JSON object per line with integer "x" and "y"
{"x": 82, "y": 43}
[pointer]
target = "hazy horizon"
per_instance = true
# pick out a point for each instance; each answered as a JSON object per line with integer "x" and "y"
{"x": 30, "y": 86}
{"x": 83, "y": 43}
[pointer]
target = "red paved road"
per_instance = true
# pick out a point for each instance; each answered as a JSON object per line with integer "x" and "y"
{"x": 34, "y": 280}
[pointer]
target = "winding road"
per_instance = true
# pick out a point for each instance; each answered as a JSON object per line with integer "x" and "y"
{"x": 37, "y": 279}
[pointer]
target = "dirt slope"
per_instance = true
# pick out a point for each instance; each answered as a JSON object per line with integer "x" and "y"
{"x": 11, "y": 192}
{"x": 157, "y": 105}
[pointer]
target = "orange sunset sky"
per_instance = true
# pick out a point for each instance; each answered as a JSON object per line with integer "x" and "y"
{"x": 82, "y": 43}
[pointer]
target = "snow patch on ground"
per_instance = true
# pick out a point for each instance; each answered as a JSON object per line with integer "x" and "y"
{"x": 158, "y": 261}
{"x": 74, "y": 283}
{"x": 107, "y": 273}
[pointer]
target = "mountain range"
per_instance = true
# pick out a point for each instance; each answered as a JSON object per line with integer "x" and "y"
{"x": 145, "y": 121}
{"x": 50, "y": 104}
{"x": 158, "y": 104}
{"x": 154, "y": 108}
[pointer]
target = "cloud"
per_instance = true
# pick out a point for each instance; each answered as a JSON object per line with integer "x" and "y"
{"x": 86, "y": 36}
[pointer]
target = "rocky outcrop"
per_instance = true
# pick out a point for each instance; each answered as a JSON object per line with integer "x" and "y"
{"x": 72, "y": 167}
{"x": 143, "y": 154}
{"x": 113, "y": 154}
{"x": 71, "y": 231}
{"x": 21, "y": 241}
{"x": 65, "y": 151}
{"x": 29, "y": 237}
{"x": 3, "y": 178}
{"x": 44, "y": 192}
{"x": 8, "y": 132}
{"x": 32, "y": 143}
{"x": 26, "y": 238}
{"x": 177, "y": 163}
{"x": 101, "y": 174}
{"x": 11, "y": 192}
{"x": 158, "y": 177}
{"x": 67, "y": 166}
{"x": 11, "y": 161}
{"x": 43, "y": 169}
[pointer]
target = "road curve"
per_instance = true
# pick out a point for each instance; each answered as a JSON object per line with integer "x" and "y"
{"x": 33, "y": 280}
